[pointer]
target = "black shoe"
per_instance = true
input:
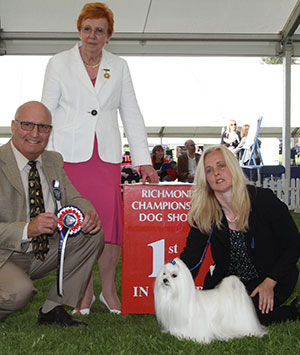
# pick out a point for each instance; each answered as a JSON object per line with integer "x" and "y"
{"x": 59, "y": 316}
{"x": 296, "y": 303}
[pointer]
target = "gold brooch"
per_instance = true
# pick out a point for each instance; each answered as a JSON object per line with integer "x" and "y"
{"x": 106, "y": 74}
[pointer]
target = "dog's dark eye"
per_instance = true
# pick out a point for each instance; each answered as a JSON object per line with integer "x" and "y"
{"x": 174, "y": 275}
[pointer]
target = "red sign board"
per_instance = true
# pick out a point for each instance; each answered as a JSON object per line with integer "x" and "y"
{"x": 155, "y": 229}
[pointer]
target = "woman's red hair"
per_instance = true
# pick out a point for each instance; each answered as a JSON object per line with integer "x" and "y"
{"x": 96, "y": 10}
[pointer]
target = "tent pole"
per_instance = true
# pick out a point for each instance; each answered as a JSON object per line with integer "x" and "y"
{"x": 286, "y": 127}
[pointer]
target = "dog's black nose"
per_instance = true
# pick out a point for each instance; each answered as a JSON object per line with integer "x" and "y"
{"x": 165, "y": 281}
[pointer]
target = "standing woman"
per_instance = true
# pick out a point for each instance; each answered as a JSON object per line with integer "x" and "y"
{"x": 231, "y": 137}
{"x": 239, "y": 150}
{"x": 84, "y": 88}
{"x": 251, "y": 234}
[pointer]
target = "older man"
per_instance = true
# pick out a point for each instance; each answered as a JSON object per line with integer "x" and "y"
{"x": 187, "y": 162}
{"x": 29, "y": 242}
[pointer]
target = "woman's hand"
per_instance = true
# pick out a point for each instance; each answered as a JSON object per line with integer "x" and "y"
{"x": 149, "y": 174}
{"x": 265, "y": 290}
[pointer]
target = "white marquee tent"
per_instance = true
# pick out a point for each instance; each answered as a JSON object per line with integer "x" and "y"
{"x": 157, "y": 27}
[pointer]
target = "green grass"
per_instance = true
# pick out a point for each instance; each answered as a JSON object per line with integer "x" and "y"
{"x": 135, "y": 334}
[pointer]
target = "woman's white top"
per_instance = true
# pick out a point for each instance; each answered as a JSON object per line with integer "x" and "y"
{"x": 80, "y": 110}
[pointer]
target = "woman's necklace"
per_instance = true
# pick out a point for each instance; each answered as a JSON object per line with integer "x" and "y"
{"x": 231, "y": 220}
{"x": 91, "y": 66}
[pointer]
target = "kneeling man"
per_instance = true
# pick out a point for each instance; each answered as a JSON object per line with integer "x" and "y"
{"x": 28, "y": 223}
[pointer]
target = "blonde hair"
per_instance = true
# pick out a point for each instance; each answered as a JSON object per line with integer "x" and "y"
{"x": 244, "y": 130}
{"x": 205, "y": 208}
{"x": 228, "y": 129}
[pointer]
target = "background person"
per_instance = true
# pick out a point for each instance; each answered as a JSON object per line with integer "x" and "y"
{"x": 252, "y": 233}
{"x": 239, "y": 150}
{"x": 19, "y": 265}
{"x": 158, "y": 158}
{"x": 84, "y": 88}
{"x": 171, "y": 169}
{"x": 187, "y": 162}
{"x": 231, "y": 136}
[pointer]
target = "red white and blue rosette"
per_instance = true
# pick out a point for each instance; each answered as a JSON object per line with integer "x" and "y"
{"x": 71, "y": 218}
{"x": 69, "y": 224}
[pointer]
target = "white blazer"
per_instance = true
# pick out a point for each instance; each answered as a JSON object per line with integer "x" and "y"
{"x": 79, "y": 110}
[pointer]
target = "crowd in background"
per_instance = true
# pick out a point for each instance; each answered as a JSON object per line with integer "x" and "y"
{"x": 182, "y": 167}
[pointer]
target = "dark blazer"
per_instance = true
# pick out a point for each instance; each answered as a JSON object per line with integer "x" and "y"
{"x": 272, "y": 241}
{"x": 12, "y": 197}
{"x": 183, "y": 166}
{"x": 233, "y": 144}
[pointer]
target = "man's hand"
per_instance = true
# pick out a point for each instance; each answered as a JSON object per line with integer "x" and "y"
{"x": 149, "y": 174}
{"x": 266, "y": 295}
{"x": 91, "y": 223}
{"x": 44, "y": 223}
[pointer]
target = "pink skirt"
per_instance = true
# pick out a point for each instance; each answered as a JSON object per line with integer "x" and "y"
{"x": 99, "y": 182}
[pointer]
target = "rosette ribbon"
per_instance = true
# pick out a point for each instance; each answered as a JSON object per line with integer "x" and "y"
{"x": 70, "y": 220}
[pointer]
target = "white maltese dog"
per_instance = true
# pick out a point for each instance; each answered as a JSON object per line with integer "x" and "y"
{"x": 223, "y": 313}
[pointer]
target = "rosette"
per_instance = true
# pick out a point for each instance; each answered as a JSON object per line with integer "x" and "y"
{"x": 69, "y": 224}
{"x": 70, "y": 218}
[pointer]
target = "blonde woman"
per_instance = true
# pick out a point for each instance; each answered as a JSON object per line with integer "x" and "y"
{"x": 251, "y": 233}
{"x": 231, "y": 137}
{"x": 239, "y": 150}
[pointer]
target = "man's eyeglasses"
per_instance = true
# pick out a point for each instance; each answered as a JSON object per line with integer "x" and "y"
{"x": 29, "y": 126}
